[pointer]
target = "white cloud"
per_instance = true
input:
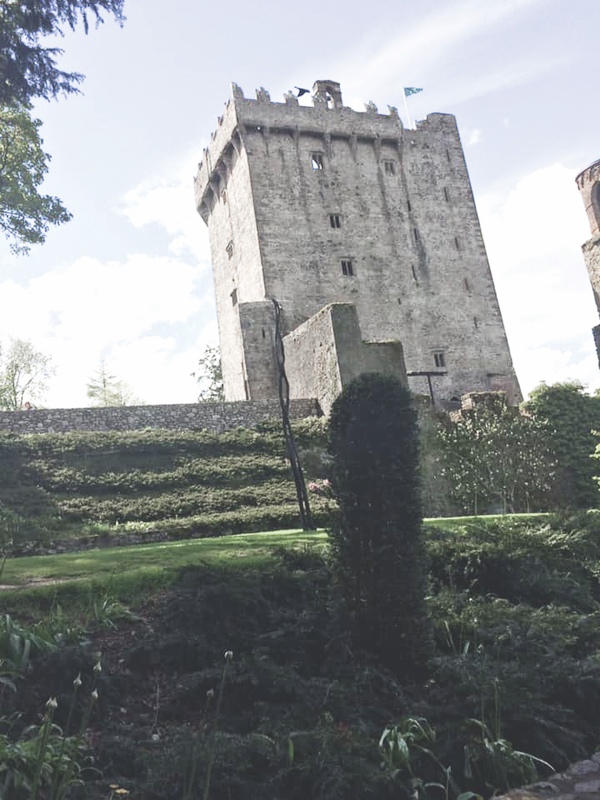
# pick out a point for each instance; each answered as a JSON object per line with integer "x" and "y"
{"x": 88, "y": 311}
{"x": 426, "y": 45}
{"x": 534, "y": 219}
{"x": 533, "y": 232}
{"x": 473, "y": 137}
{"x": 167, "y": 200}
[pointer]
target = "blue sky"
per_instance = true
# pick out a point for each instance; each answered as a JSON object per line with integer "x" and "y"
{"x": 128, "y": 280}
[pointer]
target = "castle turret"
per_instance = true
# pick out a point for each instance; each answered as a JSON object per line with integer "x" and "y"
{"x": 320, "y": 206}
{"x": 588, "y": 183}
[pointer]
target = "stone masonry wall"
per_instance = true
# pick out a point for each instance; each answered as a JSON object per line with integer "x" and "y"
{"x": 327, "y": 352}
{"x": 588, "y": 183}
{"x": 216, "y": 417}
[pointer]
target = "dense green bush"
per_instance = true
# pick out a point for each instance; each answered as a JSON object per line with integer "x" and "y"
{"x": 493, "y": 457}
{"x": 571, "y": 417}
{"x": 377, "y": 543}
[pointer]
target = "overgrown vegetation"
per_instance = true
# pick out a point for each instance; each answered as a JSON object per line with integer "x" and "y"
{"x": 514, "y": 679}
{"x": 491, "y": 456}
{"x": 182, "y": 483}
{"x": 571, "y": 417}
{"x": 391, "y": 665}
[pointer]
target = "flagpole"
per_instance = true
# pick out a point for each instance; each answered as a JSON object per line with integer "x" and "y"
{"x": 407, "y": 91}
{"x": 406, "y": 109}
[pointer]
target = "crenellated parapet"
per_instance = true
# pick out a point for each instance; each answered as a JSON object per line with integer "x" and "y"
{"x": 327, "y": 118}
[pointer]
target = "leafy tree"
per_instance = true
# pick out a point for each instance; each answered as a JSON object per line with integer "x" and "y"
{"x": 571, "y": 417}
{"x": 24, "y": 373}
{"x": 495, "y": 457}
{"x": 105, "y": 390}
{"x": 27, "y": 68}
{"x": 377, "y": 545}
{"x": 210, "y": 376}
{"x": 25, "y": 214}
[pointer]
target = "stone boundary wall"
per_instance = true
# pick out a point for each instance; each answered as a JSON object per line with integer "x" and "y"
{"x": 216, "y": 417}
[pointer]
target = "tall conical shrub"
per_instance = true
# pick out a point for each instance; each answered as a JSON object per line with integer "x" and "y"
{"x": 377, "y": 543}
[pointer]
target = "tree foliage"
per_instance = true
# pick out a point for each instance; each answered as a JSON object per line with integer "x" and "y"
{"x": 210, "y": 376}
{"x": 27, "y": 68}
{"x": 493, "y": 457}
{"x": 377, "y": 545}
{"x": 106, "y": 390}
{"x": 571, "y": 417}
{"x": 24, "y": 375}
{"x": 25, "y": 213}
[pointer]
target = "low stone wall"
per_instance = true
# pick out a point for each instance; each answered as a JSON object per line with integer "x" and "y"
{"x": 216, "y": 417}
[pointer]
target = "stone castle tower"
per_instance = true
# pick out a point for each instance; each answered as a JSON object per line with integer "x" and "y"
{"x": 588, "y": 183}
{"x": 366, "y": 235}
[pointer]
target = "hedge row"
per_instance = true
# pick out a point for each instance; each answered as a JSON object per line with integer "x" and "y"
{"x": 52, "y": 483}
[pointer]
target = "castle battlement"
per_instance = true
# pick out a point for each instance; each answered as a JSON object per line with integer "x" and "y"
{"x": 323, "y": 119}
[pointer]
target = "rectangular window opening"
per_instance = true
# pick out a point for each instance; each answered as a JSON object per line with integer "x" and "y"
{"x": 439, "y": 359}
{"x": 234, "y": 298}
{"x": 316, "y": 160}
{"x": 408, "y": 205}
{"x": 229, "y": 250}
{"x": 416, "y": 235}
{"x": 446, "y": 195}
{"x": 389, "y": 167}
{"x": 347, "y": 268}
{"x": 457, "y": 243}
{"x": 335, "y": 221}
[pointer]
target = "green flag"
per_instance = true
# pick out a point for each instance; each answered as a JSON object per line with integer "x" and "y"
{"x": 408, "y": 90}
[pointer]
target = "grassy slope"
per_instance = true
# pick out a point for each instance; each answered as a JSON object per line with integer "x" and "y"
{"x": 98, "y": 564}
{"x": 189, "y": 483}
{"x": 115, "y": 560}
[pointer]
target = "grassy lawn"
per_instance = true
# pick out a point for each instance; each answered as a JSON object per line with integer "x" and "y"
{"x": 114, "y": 561}
{"x": 164, "y": 555}
{"x": 131, "y": 573}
